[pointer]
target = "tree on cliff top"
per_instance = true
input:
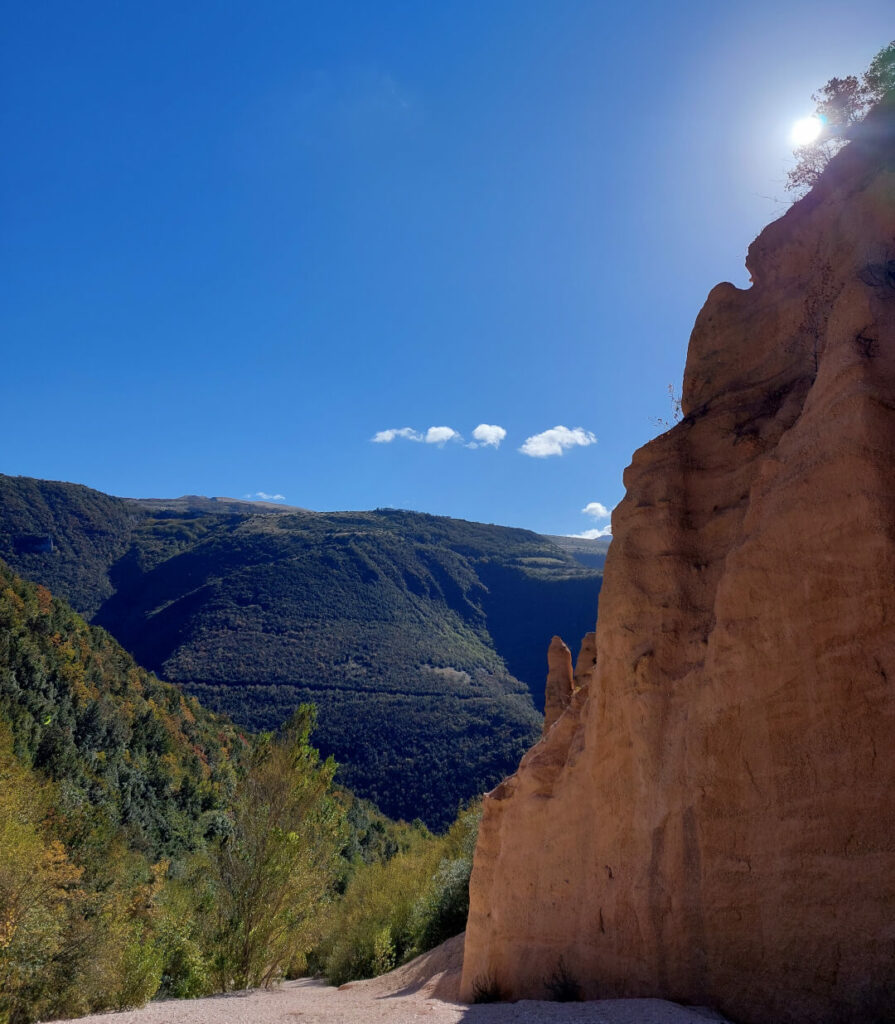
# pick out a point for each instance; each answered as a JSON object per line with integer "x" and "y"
{"x": 841, "y": 104}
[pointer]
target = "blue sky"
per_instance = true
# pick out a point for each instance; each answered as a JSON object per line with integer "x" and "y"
{"x": 241, "y": 240}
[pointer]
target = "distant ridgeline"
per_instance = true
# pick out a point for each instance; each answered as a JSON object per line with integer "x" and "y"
{"x": 420, "y": 639}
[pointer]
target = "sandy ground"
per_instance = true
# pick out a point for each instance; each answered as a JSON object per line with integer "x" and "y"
{"x": 424, "y": 990}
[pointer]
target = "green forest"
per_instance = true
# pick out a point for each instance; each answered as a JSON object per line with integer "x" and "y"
{"x": 421, "y": 640}
{"x": 150, "y": 848}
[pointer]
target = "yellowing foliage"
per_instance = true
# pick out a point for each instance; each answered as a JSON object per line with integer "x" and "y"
{"x": 38, "y": 883}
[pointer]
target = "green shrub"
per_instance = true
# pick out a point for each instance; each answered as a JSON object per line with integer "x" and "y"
{"x": 278, "y": 866}
{"x": 383, "y": 951}
{"x": 443, "y": 906}
{"x": 392, "y": 911}
{"x": 139, "y": 970}
{"x": 185, "y": 972}
{"x": 379, "y": 901}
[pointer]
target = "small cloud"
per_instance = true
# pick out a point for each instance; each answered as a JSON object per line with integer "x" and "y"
{"x": 387, "y": 436}
{"x": 596, "y": 509}
{"x": 555, "y": 441}
{"x": 487, "y": 435}
{"x": 264, "y": 496}
{"x": 434, "y": 435}
{"x": 606, "y": 531}
{"x": 438, "y": 435}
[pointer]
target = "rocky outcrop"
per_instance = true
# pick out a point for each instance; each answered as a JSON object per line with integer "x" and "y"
{"x": 711, "y": 819}
{"x": 562, "y": 681}
{"x": 586, "y": 664}
{"x": 558, "y": 690}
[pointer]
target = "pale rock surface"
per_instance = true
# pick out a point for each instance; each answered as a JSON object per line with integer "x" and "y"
{"x": 586, "y": 664}
{"x": 558, "y": 691}
{"x": 559, "y": 682}
{"x": 712, "y": 820}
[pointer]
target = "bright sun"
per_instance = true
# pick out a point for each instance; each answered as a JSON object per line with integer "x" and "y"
{"x": 806, "y": 130}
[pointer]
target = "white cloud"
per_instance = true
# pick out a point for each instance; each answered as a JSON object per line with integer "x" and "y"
{"x": 438, "y": 435}
{"x": 605, "y": 531}
{"x": 555, "y": 441}
{"x": 264, "y": 496}
{"x": 596, "y": 509}
{"x": 487, "y": 435}
{"x": 434, "y": 435}
{"x": 386, "y": 436}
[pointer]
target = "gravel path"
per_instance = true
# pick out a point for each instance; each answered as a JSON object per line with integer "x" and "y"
{"x": 421, "y": 991}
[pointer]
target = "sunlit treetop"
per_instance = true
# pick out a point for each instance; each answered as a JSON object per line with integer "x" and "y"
{"x": 841, "y": 104}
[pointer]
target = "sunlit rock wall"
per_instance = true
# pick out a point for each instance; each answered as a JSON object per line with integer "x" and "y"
{"x": 712, "y": 820}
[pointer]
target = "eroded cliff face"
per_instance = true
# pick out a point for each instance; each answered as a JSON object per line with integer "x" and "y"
{"x": 711, "y": 819}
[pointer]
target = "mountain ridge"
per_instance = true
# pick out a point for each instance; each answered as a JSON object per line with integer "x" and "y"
{"x": 419, "y": 637}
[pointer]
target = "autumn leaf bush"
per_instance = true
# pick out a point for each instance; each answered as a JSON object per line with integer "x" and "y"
{"x": 38, "y": 889}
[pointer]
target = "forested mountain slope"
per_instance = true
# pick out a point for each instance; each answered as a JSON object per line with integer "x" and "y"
{"x": 127, "y": 752}
{"x": 589, "y": 551}
{"x": 143, "y": 838}
{"x": 419, "y": 638}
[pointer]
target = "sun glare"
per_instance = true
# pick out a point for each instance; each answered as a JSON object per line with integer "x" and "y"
{"x": 806, "y": 130}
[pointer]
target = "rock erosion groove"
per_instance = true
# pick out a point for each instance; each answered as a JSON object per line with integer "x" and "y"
{"x": 711, "y": 818}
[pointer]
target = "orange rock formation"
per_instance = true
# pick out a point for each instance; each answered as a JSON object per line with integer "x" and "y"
{"x": 711, "y": 819}
{"x": 560, "y": 682}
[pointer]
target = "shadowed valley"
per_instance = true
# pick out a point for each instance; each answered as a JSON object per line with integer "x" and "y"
{"x": 420, "y": 639}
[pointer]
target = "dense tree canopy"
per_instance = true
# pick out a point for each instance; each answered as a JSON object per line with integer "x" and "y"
{"x": 420, "y": 639}
{"x": 147, "y": 847}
